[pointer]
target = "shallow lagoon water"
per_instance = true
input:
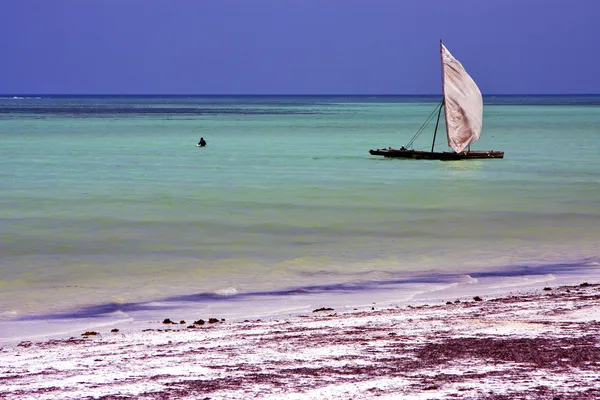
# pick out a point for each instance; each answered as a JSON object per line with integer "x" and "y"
{"x": 107, "y": 200}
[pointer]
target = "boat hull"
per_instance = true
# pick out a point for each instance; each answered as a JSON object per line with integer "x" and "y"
{"x": 435, "y": 155}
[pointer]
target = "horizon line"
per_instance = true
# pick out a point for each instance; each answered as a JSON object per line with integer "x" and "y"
{"x": 280, "y": 94}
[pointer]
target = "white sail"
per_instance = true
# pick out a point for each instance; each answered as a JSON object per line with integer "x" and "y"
{"x": 463, "y": 104}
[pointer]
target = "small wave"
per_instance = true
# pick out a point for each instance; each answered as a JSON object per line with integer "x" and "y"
{"x": 468, "y": 279}
{"x": 230, "y": 291}
{"x": 120, "y": 314}
{"x": 9, "y": 314}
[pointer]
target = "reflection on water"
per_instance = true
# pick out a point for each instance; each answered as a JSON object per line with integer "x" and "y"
{"x": 460, "y": 166}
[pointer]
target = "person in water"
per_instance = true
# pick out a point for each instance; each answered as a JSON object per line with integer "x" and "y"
{"x": 202, "y": 142}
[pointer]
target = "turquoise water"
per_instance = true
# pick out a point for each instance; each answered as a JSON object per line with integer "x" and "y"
{"x": 107, "y": 199}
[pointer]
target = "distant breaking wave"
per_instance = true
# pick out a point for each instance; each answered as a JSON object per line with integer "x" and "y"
{"x": 106, "y": 111}
{"x": 19, "y": 98}
{"x": 124, "y": 106}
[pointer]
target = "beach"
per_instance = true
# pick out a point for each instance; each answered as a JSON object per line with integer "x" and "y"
{"x": 533, "y": 344}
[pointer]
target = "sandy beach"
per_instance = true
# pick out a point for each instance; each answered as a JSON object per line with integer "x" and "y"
{"x": 536, "y": 344}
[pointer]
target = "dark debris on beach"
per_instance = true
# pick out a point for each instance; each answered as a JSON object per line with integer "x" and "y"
{"x": 541, "y": 345}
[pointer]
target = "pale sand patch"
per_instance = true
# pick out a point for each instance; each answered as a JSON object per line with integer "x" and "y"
{"x": 544, "y": 344}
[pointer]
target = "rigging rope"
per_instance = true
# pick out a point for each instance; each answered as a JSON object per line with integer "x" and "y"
{"x": 420, "y": 130}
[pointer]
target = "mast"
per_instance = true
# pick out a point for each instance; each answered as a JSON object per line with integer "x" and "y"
{"x": 436, "y": 124}
{"x": 443, "y": 90}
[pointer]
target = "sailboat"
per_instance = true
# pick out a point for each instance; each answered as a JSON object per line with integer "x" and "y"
{"x": 463, "y": 111}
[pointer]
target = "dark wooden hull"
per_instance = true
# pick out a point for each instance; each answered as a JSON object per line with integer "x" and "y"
{"x": 435, "y": 155}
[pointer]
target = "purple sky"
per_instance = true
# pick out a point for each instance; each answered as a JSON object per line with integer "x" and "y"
{"x": 296, "y": 46}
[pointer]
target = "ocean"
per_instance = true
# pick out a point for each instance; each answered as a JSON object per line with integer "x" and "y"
{"x": 108, "y": 206}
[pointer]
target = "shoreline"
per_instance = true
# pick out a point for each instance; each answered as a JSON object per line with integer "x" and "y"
{"x": 286, "y": 302}
{"x": 541, "y": 343}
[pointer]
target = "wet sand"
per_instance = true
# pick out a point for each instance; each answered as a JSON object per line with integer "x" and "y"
{"x": 532, "y": 345}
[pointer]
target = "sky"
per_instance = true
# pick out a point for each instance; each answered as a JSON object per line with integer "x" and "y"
{"x": 296, "y": 46}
